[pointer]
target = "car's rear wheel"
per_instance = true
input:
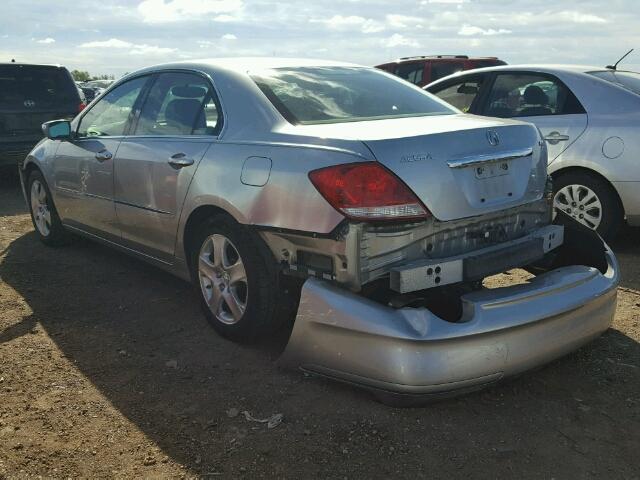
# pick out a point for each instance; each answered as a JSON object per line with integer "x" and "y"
{"x": 43, "y": 212}
{"x": 590, "y": 201}
{"x": 242, "y": 294}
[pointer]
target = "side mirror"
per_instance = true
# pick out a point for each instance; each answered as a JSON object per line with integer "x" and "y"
{"x": 57, "y": 129}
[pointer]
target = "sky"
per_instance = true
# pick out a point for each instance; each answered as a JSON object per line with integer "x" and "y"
{"x": 118, "y": 36}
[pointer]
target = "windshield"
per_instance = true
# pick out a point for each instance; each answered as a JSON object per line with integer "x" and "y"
{"x": 310, "y": 95}
{"x": 35, "y": 87}
{"x": 628, "y": 80}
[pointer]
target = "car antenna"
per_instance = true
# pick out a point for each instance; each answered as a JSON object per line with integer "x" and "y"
{"x": 615, "y": 65}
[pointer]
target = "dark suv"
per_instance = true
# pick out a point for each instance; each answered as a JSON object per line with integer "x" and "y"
{"x": 29, "y": 96}
{"x": 426, "y": 69}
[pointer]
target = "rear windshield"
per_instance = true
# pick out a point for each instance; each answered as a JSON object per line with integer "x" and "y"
{"x": 310, "y": 95}
{"x": 628, "y": 80}
{"x": 487, "y": 63}
{"x": 36, "y": 87}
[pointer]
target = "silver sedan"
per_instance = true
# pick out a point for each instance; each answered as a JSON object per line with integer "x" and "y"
{"x": 590, "y": 119}
{"x": 340, "y": 197}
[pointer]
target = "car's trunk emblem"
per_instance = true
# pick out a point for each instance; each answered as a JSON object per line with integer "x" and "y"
{"x": 493, "y": 138}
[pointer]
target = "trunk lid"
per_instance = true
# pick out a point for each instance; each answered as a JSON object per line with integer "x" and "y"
{"x": 453, "y": 162}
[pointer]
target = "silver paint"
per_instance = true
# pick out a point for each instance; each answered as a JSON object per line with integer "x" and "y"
{"x": 604, "y": 140}
{"x": 502, "y": 332}
{"x": 140, "y": 201}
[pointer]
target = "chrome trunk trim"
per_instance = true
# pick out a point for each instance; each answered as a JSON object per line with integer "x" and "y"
{"x": 490, "y": 158}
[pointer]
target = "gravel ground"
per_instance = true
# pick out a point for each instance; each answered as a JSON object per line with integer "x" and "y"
{"x": 108, "y": 369}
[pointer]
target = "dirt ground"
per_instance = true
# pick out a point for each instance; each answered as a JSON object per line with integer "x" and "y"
{"x": 108, "y": 369}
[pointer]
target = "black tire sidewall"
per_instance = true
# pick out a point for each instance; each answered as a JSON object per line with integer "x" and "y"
{"x": 612, "y": 214}
{"x": 264, "y": 295}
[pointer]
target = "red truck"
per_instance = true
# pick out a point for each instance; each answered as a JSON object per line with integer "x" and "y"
{"x": 423, "y": 70}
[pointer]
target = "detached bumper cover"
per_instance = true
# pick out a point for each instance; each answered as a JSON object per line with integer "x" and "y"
{"x": 503, "y": 332}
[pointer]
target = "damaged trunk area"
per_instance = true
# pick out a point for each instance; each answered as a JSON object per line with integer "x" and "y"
{"x": 450, "y": 339}
{"x": 574, "y": 244}
{"x": 434, "y": 264}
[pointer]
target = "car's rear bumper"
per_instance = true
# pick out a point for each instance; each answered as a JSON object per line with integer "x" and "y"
{"x": 13, "y": 153}
{"x": 503, "y": 332}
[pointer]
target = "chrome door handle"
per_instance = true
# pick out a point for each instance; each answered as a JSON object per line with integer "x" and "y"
{"x": 180, "y": 160}
{"x": 104, "y": 155}
{"x": 555, "y": 137}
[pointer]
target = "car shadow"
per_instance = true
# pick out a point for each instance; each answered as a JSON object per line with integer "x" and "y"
{"x": 137, "y": 334}
{"x": 11, "y": 200}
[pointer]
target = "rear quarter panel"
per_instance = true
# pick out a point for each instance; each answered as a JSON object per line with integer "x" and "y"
{"x": 610, "y": 147}
{"x": 288, "y": 200}
{"x": 588, "y": 151}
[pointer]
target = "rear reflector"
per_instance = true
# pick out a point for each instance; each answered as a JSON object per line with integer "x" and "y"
{"x": 81, "y": 106}
{"x": 367, "y": 191}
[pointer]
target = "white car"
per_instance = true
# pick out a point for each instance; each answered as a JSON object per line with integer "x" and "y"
{"x": 590, "y": 119}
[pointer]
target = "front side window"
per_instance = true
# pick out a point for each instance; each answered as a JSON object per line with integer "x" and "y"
{"x": 110, "y": 115}
{"x": 311, "y": 95}
{"x": 411, "y": 72}
{"x": 530, "y": 95}
{"x": 179, "y": 104}
{"x": 462, "y": 93}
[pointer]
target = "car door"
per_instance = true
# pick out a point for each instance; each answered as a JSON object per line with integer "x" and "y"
{"x": 154, "y": 165}
{"x": 541, "y": 99}
{"x": 83, "y": 167}
{"x": 463, "y": 92}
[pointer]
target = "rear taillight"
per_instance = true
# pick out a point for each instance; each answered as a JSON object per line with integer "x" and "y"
{"x": 81, "y": 106}
{"x": 367, "y": 191}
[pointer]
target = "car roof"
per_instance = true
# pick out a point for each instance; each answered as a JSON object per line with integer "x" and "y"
{"x": 440, "y": 57}
{"x": 535, "y": 67}
{"x": 24, "y": 64}
{"x": 245, "y": 64}
{"x": 550, "y": 67}
{"x": 558, "y": 69}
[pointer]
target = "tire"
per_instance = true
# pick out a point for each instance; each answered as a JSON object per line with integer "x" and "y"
{"x": 573, "y": 194}
{"x": 44, "y": 215}
{"x": 263, "y": 303}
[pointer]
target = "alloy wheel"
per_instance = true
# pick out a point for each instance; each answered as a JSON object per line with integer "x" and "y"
{"x": 40, "y": 208}
{"x": 581, "y": 203}
{"x": 223, "y": 279}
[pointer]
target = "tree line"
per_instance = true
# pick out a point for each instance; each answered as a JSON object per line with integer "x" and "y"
{"x": 84, "y": 76}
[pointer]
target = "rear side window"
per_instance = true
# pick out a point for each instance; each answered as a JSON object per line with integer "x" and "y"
{"x": 462, "y": 93}
{"x": 311, "y": 95}
{"x": 443, "y": 69}
{"x": 35, "y": 87}
{"x": 530, "y": 95}
{"x": 110, "y": 115}
{"x": 411, "y": 72}
{"x": 179, "y": 104}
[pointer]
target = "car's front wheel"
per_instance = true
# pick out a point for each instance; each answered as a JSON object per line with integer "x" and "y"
{"x": 43, "y": 212}
{"x": 590, "y": 201}
{"x": 242, "y": 294}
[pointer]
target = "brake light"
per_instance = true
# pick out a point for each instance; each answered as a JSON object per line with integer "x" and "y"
{"x": 367, "y": 191}
{"x": 81, "y": 106}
